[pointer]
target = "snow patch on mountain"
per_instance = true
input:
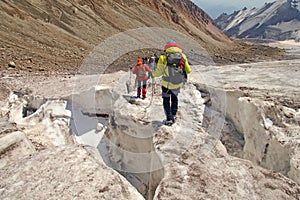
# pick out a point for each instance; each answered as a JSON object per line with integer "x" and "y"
{"x": 240, "y": 17}
{"x": 277, "y": 21}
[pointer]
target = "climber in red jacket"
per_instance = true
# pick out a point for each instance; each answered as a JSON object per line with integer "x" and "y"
{"x": 141, "y": 71}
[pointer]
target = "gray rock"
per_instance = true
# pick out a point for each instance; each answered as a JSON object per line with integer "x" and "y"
{"x": 11, "y": 64}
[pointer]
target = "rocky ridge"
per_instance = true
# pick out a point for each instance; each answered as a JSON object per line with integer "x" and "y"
{"x": 55, "y": 36}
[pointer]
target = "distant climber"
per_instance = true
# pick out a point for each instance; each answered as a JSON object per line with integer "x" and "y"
{"x": 141, "y": 71}
{"x": 152, "y": 63}
{"x": 156, "y": 57}
{"x": 145, "y": 60}
{"x": 173, "y": 66}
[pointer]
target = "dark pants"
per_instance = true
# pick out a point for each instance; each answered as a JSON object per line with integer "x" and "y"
{"x": 170, "y": 107}
{"x": 140, "y": 85}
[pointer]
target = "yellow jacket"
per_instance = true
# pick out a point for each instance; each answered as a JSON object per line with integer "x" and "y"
{"x": 162, "y": 69}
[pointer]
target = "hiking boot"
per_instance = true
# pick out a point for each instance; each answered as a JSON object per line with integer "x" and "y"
{"x": 174, "y": 119}
{"x": 168, "y": 122}
{"x": 138, "y": 93}
{"x": 144, "y": 92}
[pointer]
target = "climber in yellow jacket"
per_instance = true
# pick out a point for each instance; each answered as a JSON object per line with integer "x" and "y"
{"x": 173, "y": 66}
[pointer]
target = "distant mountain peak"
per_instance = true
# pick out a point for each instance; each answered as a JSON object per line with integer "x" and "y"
{"x": 279, "y": 20}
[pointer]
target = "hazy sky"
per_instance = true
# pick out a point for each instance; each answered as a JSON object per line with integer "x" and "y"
{"x": 216, "y": 7}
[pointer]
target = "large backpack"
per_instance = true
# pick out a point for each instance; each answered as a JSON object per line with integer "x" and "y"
{"x": 175, "y": 64}
{"x": 141, "y": 72}
{"x": 175, "y": 59}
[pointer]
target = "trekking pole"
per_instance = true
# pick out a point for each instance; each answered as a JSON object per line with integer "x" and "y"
{"x": 128, "y": 83}
{"x": 153, "y": 86}
{"x": 130, "y": 74}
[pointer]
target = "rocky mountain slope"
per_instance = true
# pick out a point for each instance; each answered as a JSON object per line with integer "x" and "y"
{"x": 275, "y": 21}
{"x": 53, "y": 36}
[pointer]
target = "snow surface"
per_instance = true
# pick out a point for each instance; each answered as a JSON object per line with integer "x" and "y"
{"x": 254, "y": 96}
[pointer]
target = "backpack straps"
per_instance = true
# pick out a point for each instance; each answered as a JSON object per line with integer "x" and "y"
{"x": 175, "y": 59}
